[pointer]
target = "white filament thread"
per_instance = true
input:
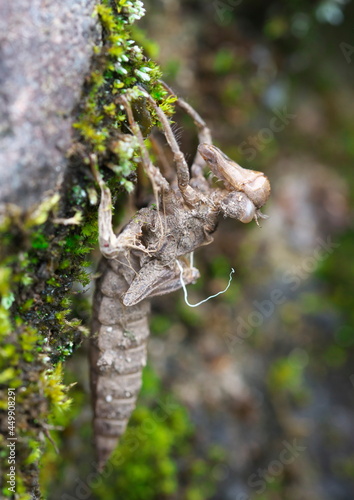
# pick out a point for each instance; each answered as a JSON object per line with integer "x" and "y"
{"x": 208, "y": 298}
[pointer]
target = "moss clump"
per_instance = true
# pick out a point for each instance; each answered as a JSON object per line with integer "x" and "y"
{"x": 45, "y": 250}
{"x": 120, "y": 68}
{"x": 38, "y": 265}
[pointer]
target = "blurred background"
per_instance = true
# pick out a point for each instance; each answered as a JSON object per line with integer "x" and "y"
{"x": 255, "y": 388}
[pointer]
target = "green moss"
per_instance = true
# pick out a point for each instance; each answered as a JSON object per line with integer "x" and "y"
{"x": 160, "y": 324}
{"x": 120, "y": 68}
{"x": 287, "y": 375}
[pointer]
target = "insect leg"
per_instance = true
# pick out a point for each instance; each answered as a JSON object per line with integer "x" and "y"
{"x": 204, "y": 137}
{"x": 203, "y": 130}
{"x": 157, "y": 179}
{"x": 108, "y": 241}
{"x": 190, "y": 196}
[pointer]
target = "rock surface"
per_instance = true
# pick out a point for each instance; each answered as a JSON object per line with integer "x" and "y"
{"x": 45, "y": 53}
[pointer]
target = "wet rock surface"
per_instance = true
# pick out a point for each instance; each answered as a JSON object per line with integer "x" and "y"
{"x": 45, "y": 53}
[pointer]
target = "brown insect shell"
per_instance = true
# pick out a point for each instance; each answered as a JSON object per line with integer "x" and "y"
{"x": 238, "y": 206}
{"x": 254, "y": 184}
{"x": 257, "y": 187}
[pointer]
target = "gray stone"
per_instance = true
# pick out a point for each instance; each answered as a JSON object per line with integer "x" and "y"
{"x": 45, "y": 53}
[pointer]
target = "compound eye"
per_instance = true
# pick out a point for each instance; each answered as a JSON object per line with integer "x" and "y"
{"x": 238, "y": 206}
{"x": 248, "y": 212}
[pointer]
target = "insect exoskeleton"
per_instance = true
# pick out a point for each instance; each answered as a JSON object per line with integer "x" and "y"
{"x": 238, "y": 206}
{"x": 254, "y": 184}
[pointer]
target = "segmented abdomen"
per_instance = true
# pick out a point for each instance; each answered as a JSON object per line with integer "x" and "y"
{"x": 117, "y": 356}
